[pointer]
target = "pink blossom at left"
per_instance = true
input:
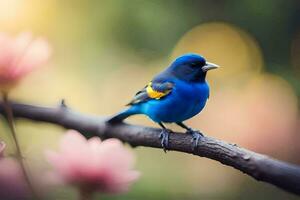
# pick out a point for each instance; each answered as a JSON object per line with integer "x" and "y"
{"x": 20, "y": 55}
{"x": 12, "y": 182}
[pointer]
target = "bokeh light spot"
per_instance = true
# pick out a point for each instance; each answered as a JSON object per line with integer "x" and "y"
{"x": 224, "y": 44}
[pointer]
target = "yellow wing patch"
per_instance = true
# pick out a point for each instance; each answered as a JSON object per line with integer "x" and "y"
{"x": 155, "y": 94}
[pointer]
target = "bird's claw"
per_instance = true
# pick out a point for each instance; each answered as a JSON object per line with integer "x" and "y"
{"x": 196, "y": 137}
{"x": 164, "y": 136}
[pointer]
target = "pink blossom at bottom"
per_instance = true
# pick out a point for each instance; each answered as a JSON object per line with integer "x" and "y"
{"x": 100, "y": 166}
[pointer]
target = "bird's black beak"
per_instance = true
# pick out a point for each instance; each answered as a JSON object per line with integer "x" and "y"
{"x": 209, "y": 66}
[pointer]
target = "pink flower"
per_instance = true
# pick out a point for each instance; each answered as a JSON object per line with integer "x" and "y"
{"x": 12, "y": 182}
{"x": 19, "y": 56}
{"x": 100, "y": 166}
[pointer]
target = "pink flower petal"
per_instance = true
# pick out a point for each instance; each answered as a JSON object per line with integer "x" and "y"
{"x": 20, "y": 55}
{"x": 36, "y": 54}
{"x": 105, "y": 166}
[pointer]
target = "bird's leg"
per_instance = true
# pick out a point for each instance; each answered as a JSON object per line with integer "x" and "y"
{"x": 164, "y": 136}
{"x": 195, "y": 134}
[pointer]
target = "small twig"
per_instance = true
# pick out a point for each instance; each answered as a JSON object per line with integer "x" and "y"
{"x": 63, "y": 103}
{"x": 258, "y": 166}
{"x": 20, "y": 157}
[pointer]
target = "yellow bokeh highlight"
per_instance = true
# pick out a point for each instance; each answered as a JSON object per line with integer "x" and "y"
{"x": 224, "y": 44}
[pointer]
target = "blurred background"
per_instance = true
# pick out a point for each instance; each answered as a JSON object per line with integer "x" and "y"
{"x": 106, "y": 50}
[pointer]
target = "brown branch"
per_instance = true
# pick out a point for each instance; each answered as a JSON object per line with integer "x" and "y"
{"x": 258, "y": 166}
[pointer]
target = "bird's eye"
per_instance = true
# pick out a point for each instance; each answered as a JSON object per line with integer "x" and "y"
{"x": 194, "y": 64}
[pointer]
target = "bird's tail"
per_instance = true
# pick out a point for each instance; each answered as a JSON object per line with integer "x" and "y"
{"x": 122, "y": 115}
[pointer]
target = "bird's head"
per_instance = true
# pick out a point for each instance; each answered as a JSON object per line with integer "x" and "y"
{"x": 191, "y": 67}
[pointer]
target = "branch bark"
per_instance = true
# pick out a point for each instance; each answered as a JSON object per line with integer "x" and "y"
{"x": 258, "y": 166}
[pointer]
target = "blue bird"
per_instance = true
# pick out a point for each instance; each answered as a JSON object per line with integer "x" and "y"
{"x": 173, "y": 96}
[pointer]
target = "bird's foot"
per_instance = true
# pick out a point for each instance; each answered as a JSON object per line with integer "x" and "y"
{"x": 196, "y": 137}
{"x": 164, "y": 136}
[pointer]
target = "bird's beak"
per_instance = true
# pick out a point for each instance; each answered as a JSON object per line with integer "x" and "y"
{"x": 209, "y": 66}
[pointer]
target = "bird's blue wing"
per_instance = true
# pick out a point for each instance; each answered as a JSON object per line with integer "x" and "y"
{"x": 154, "y": 90}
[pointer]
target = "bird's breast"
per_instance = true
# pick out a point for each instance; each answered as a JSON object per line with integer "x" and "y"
{"x": 185, "y": 101}
{"x": 191, "y": 97}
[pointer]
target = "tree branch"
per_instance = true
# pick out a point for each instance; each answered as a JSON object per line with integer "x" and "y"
{"x": 258, "y": 166}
